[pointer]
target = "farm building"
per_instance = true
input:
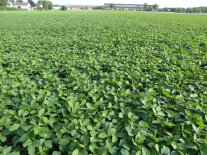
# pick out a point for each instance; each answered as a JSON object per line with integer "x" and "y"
{"x": 56, "y": 7}
{"x": 22, "y": 5}
{"x": 107, "y": 6}
{"x": 76, "y": 7}
{"x": 80, "y": 7}
{"x": 39, "y": 5}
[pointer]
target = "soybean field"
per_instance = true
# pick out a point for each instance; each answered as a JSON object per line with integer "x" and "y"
{"x": 103, "y": 82}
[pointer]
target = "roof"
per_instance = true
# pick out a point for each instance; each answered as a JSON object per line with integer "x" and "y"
{"x": 79, "y": 5}
{"x": 39, "y": 5}
{"x": 19, "y": 3}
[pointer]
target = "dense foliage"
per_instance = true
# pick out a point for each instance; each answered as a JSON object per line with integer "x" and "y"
{"x": 3, "y": 2}
{"x": 98, "y": 8}
{"x": 63, "y": 7}
{"x": 47, "y": 5}
{"x": 4, "y": 8}
{"x": 185, "y": 10}
{"x": 32, "y": 3}
{"x": 101, "y": 82}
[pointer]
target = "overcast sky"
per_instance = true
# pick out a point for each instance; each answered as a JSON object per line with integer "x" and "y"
{"x": 162, "y": 3}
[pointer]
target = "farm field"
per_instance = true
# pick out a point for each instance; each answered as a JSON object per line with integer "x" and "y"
{"x": 103, "y": 82}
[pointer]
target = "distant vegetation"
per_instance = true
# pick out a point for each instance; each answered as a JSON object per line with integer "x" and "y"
{"x": 63, "y": 7}
{"x": 113, "y": 7}
{"x": 3, "y": 2}
{"x": 98, "y": 8}
{"x": 185, "y": 10}
{"x": 47, "y": 5}
{"x": 4, "y": 8}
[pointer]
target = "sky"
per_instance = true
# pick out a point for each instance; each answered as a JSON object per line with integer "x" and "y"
{"x": 161, "y": 3}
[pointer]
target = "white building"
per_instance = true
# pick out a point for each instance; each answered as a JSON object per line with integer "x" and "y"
{"x": 57, "y": 7}
{"x": 80, "y": 7}
{"x": 22, "y": 5}
{"x": 39, "y": 5}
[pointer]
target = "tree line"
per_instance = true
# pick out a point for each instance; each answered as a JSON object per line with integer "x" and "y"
{"x": 155, "y": 7}
{"x": 150, "y": 8}
{"x": 185, "y": 10}
{"x": 113, "y": 7}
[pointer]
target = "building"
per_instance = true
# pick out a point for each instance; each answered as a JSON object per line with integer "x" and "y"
{"x": 80, "y": 7}
{"x": 39, "y": 5}
{"x": 22, "y": 5}
{"x": 107, "y": 6}
{"x": 76, "y": 7}
{"x": 57, "y": 7}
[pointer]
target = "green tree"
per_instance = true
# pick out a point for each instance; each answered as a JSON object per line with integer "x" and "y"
{"x": 3, "y": 2}
{"x": 39, "y": 8}
{"x": 176, "y": 10}
{"x": 166, "y": 9}
{"x": 155, "y": 7}
{"x": 202, "y": 10}
{"x": 50, "y": 5}
{"x": 198, "y": 10}
{"x": 145, "y": 6}
{"x": 19, "y": 0}
{"x": 149, "y": 9}
{"x": 112, "y": 6}
{"x": 189, "y": 10}
{"x": 98, "y": 8}
{"x": 63, "y": 7}
{"x": 47, "y": 5}
{"x": 32, "y": 3}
